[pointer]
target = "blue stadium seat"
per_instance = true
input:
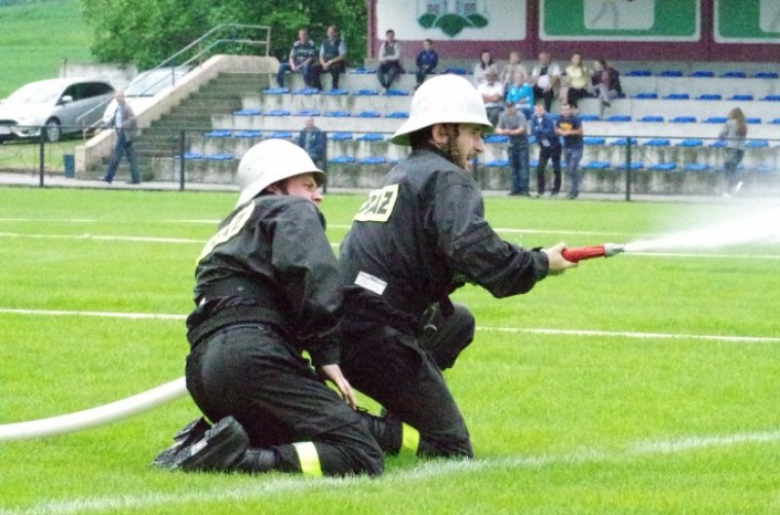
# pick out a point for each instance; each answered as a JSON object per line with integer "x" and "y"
{"x": 497, "y": 163}
{"x": 371, "y": 136}
{"x": 336, "y": 92}
{"x": 593, "y": 140}
{"x": 533, "y": 163}
{"x": 281, "y": 135}
{"x": 753, "y": 120}
{"x": 766, "y": 75}
{"x": 652, "y": 119}
{"x": 596, "y": 165}
{"x": 715, "y": 119}
{"x": 531, "y": 139}
{"x": 589, "y": 118}
{"x": 398, "y": 114}
{"x": 645, "y": 96}
{"x": 764, "y": 168}
{"x": 248, "y": 134}
{"x": 636, "y": 165}
{"x": 718, "y": 144}
{"x": 455, "y": 71}
{"x": 368, "y": 114}
{"x": 619, "y": 118}
{"x": 308, "y": 112}
{"x": 191, "y": 156}
{"x": 337, "y": 114}
{"x": 683, "y": 119}
{"x": 656, "y": 142}
{"x": 664, "y": 167}
{"x": 734, "y": 75}
{"x": 278, "y": 112}
{"x": 619, "y": 142}
{"x": 703, "y": 73}
{"x": 342, "y": 159}
{"x": 362, "y": 70}
{"x": 776, "y": 121}
{"x": 696, "y": 167}
{"x": 710, "y": 96}
{"x": 276, "y": 91}
{"x": 671, "y": 73}
{"x": 306, "y": 91}
{"x": 497, "y": 138}
{"x": 771, "y": 98}
{"x": 690, "y": 143}
{"x": 247, "y": 112}
{"x": 219, "y": 157}
{"x": 373, "y": 160}
{"x": 366, "y": 93}
{"x": 639, "y": 73}
{"x": 340, "y": 136}
{"x": 396, "y": 93}
{"x": 741, "y": 98}
{"x": 757, "y": 143}
{"x": 677, "y": 96}
{"x": 218, "y": 133}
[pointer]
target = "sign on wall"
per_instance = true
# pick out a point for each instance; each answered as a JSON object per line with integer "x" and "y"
{"x": 455, "y": 20}
{"x": 620, "y": 20}
{"x": 738, "y": 21}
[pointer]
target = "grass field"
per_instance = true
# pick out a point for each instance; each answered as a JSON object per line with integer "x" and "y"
{"x": 642, "y": 384}
{"x": 36, "y": 39}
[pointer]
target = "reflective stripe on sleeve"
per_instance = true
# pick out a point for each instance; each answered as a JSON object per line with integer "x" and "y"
{"x": 410, "y": 438}
{"x": 309, "y": 459}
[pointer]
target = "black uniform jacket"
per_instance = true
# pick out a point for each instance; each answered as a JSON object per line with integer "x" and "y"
{"x": 270, "y": 262}
{"x": 423, "y": 234}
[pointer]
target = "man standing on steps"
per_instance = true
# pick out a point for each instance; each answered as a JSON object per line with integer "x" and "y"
{"x": 126, "y": 127}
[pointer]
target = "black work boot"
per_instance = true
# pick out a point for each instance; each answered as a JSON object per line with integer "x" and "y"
{"x": 257, "y": 461}
{"x": 386, "y": 430}
{"x": 188, "y": 435}
{"x": 220, "y": 449}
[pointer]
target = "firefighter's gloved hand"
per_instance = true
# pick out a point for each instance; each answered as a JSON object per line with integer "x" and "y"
{"x": 333, "y": 373}
{"x": 558, "y": 264}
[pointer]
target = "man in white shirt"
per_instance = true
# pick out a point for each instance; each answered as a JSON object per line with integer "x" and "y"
{"x": 492, "y": 93}
{"x": 545, "y": 78}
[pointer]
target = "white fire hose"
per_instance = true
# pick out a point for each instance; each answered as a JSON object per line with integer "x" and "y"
{"x": 97, "y": 416}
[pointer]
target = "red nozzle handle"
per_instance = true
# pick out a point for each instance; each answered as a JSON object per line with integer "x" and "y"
{"x": 580, "y": 253}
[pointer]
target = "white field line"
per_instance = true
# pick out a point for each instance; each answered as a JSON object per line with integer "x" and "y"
{"x": 258, "y": 489}
{"x": 524, "y": 330}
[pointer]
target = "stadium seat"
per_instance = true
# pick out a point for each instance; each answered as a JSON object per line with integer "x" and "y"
{"x": 306, "y": 91}
{"x": 308, "y": 112}
{"x": 710, "y": 96}
{"x": 696, "y": 167}
{"x": 741, "y": 98}
{"x": 776, "y": 121}
{"x": 718, "y": 144}
{"x": 734, "y": 75}
{"x": 596, "y": 165}
{"x": 683, "y": 119}
{"x": 455, "y": 71}
{"x": 703, "y": 73}
{"x": 218, "y": 133}
{"x": 764, "y": 168}
{"x": 645, "y": 96}
{"x": 677, "y": 96}
{"x": 652, "y": 119}
{"x": 342, "y": 159}
{"x": 247, "y": 112}
{"x": 336, "y": 92}
{"x": 766, "y": 75}
{"x": 278, "y": 112}
{"x": 589, "y": 118}
{"x": 533, "y": 163}
{"x": 639, "y": 73}
{"x": 497, "y": 163}
{"x": 368, "y": 114}
{"x": 340, "y": 136}
{"x": 366, "y": 93}
{"x": 371, "y": 136}
{"x": 757, "y": 143}
{"x": 664, "y": 167}
{"x": 771, "y": 98}
{"x": 619, "y": 142}
{"x": 362, "y": 70}
{"x": 656, "y": 142}
{"x": 497, "y": 138}
{"x": 671, "y": 73}
{"x": 219, "y": 157}
{"x": 281, "y": 135}
{"x": 715, "y": 119}
{"x": 248, "y": 134}
{"x": 191, "y": 156}
{"x": 753, "y": 120}
{"x": 531, "y": 139}
{"x": 619, "y": 118}
{"x": 593, "y": 140}
{"x": 276, "y": 91}
{"x": 690, "y": 143}
{"x": 373, "y": 160}
{"x": 337, "y": 114}
{"x": 396, "y": 93}
{"x": 397, "y": 114}
{"x": 636, "y": 165}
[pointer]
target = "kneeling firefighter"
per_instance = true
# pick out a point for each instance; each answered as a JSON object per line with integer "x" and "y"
{"x": 268, "y": 289}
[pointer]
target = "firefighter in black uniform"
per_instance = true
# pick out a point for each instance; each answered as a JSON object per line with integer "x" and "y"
{"x": 267, "y": 289}
{"x": 416, "y": 239}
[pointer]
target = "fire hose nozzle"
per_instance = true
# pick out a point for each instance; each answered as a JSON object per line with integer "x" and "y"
{"x": 581, "y": 253}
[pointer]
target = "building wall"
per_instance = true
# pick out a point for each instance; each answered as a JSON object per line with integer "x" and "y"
{"x": 624, "y": 30}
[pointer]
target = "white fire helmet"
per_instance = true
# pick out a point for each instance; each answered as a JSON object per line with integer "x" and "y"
{"x": 443, "y": 99}
{"x": 271, "y": 161}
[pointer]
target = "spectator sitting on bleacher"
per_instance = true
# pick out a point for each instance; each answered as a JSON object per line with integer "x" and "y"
{"x": 302, "y": 56}
{"x": 733, "y": 133}
{"x": 485, "y": 62}
{"x": 389, "y": 60}
{"x": 312, "y": 140}
{"x": 492, "y": 92}
{"x": 511, "y": 69}
{"x": 333, "y": 55}
{"x": 575, "y": 84}
{"x": 545, "y": 79}
{"x": 607, "y": 82}
{"x": 521, "y": 94}
{"x": 427, "y": 60}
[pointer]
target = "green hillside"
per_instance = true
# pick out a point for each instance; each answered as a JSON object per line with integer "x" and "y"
{"x": 36, "y": 37}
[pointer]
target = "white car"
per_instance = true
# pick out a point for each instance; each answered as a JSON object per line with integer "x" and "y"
{"x": 140, "y": 92}
{"x": 59, "y": 106}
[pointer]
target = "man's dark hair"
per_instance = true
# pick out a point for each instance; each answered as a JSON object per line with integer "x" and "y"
{"x": 421, "y": 140}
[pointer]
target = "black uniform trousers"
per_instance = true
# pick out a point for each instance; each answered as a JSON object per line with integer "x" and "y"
{"x": 549, "y": 154}
{"x": 403, "y": 374}
{"x": 254, "y": 373}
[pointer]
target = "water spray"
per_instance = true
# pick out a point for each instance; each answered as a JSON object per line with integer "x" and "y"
{"x": 577, "y": 254}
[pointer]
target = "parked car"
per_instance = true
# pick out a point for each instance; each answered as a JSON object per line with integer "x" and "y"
{"x": 59, "y": 106}
{"x": 140, "y": 92}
